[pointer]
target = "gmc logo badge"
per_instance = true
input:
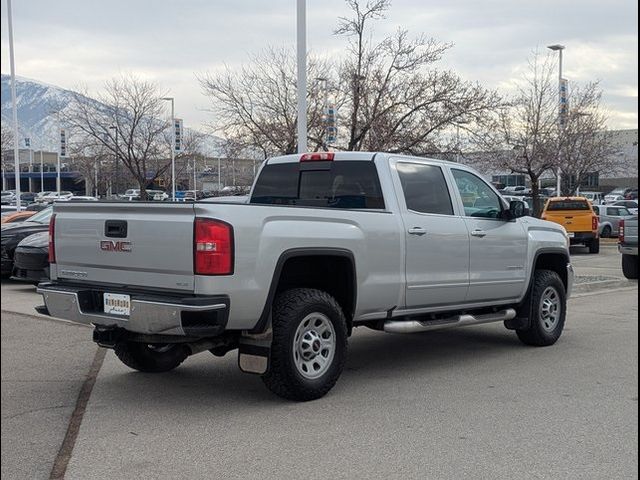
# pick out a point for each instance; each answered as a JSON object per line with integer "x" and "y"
{"x": 111, "y": 246}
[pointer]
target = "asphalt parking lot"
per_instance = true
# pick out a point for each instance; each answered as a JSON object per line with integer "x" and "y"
{"x": 471, "y": 403}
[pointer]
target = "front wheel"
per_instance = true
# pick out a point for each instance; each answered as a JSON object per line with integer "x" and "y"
{"x": 548, "y": 310}
{"x": 151, "y": 358}
{"x": 606, "y": 232}
{"x": 309, "y": 346}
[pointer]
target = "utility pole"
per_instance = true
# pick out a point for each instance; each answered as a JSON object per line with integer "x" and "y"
{"x": 301, "y": 17}
{"x": 116, "y": 177}
{"x": 16, "y": 148}
{"x": 173, "y": 148}
{"x": 559, "y": 48}
{"x": 41, "y": 170}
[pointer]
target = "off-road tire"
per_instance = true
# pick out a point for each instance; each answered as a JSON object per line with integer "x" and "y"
{"x": 594, "y": 245}
{"x": 151, "y": 358}
{"x": 536, "y": 334}
{"x": 630, "y": 266}
{"x": 289, "y": 310}
{"x": 606, "y": 232}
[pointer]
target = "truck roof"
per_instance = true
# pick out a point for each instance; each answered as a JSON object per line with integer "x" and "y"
{"x": 352, "y": 156}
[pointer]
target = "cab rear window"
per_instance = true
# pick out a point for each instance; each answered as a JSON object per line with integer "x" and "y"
{"x": 568, "y": 205}
{"x": 339, "y": 184}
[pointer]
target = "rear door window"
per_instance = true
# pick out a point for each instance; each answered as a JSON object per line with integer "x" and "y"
{"x": 330, "y": 184}
{"x": 425, "y": 189}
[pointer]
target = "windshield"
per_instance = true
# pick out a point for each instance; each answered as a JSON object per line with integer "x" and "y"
{"x": 42, "y": 217}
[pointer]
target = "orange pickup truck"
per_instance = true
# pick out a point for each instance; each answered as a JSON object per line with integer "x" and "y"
{"x": 576, "y": 215}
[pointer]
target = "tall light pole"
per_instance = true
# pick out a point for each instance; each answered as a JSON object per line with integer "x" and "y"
{"x": 16, "y": 148}
{"x": 173, "y": 148}
{"x": 41, "y": 170}
{"x": 116, "y": 178}
{"x": 301, "y": 17}
{"x": 559, "y": 48}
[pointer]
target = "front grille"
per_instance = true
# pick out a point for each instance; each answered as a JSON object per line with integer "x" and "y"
{"x": 31, "y": 260}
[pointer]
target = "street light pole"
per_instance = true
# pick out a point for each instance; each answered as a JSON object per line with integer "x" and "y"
{"x": 173, "y": 148}
{"x": 41, "y": 170}
{"x": 301, "y": 17}
{"x": 116, "y": 177}
{"x": 559, "y": 48}
{"x": 16, "y": 148}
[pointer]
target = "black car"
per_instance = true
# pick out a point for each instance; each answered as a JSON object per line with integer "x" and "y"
{"x": 31, "y": 259}
{"x": 14, "y": 233}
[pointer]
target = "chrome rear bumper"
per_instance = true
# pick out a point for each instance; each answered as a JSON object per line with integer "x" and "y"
{"x": 192, "y": 316}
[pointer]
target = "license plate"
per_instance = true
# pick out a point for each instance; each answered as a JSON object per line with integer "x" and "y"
{"x": 117, "y": 304}
{"x": 571, "y": 234}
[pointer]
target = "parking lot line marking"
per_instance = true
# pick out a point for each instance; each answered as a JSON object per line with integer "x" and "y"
{"x": 66, "y": 449}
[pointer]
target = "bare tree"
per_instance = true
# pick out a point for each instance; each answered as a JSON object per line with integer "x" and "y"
{"x": 132, "y": 110}
{"x": 585, "y": 148}
{"x": 257, "y": 104}
{"x": 391, "y": 95}
{"x": 7, "y": 144}
{"x": 524, "y": 137}
{"x": 388, "y": 94}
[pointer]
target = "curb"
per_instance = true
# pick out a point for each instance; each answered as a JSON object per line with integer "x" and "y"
{"x": 603, "y": 285}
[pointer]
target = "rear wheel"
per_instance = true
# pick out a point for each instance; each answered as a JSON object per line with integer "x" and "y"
{"x": 548, "y": 310}
{"x": 151, "y": 358}
{"x": 630, "y": 266}
{"x": 606, "y": 232}
{"x": 309, "y": 346}
{"x": 594, "y": 245}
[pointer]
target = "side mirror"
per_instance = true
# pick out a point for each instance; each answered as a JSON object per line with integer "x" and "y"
{"x": 517, "y": 209}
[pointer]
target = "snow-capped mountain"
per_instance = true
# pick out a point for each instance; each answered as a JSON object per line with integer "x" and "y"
{"x": 37, "y": 103}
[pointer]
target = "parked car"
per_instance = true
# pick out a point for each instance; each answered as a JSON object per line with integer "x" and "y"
{"x": 609, "y": 217}
{"x": 328, "y": 242}
{"x": 617, "y": 194}
{"x": 14, "y": 233}
{"x": 631, "y": 205}
{"x": 517, "y": 190}
{"x": 131, "y": 194}
{"x": 80, "y": 198}
{"x": 631, "y": 194}
{"x": 628, "y": 246}
{"x": 596, "y": 198}
{"x": 54, "y": 196}
{"x": 15, "y": 217}
{"x": 7, "y": 197}
{"x": 31, "y": 259}
{"x": 576, "y": 215}
{"x": 28, "y": 197}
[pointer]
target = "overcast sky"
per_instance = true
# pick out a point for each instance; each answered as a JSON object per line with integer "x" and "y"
{"x": 72, "y": 42}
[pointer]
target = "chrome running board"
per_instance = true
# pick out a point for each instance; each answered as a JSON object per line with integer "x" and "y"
{"x": 415, "y": 326}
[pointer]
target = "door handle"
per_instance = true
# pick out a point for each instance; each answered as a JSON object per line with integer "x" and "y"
{"x": 417, "y": 231}
{"x": 479, "y": 233}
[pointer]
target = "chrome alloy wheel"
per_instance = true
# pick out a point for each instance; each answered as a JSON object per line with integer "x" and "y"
{"x": 314, "y": 345}
{"x": 550, "y": 309}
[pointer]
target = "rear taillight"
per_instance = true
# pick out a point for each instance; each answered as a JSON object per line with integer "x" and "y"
{"x": 621, "y": 232}
{"x": 317, "y": 157}
{"x": 594, "y": 223}
{"x": 52, "y": 239}
{"x": 212, "y": 247}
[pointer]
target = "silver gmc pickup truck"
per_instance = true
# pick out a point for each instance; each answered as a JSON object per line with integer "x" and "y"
{"x": 325, "y": 242}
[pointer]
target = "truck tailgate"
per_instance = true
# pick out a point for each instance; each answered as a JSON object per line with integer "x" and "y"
{"x": 147, "y": 245}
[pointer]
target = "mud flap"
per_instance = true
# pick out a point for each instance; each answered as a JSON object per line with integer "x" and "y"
{"x": 254, "y": 351}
